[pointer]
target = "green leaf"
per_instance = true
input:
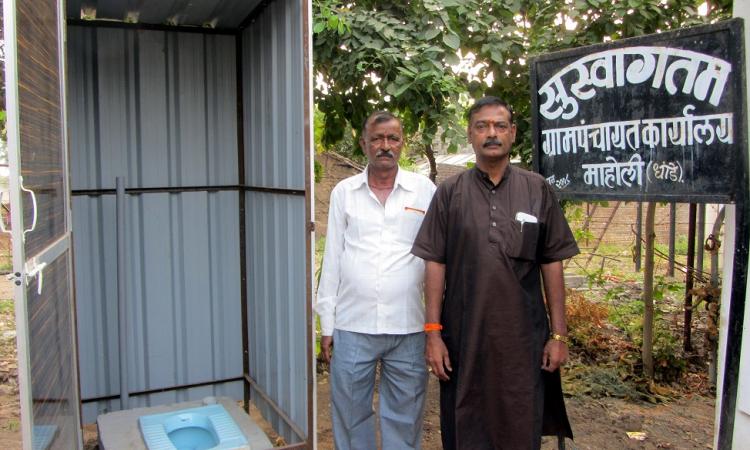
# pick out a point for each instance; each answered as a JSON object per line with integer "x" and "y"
{"x": 496, "y": 56}
{"x": 396, "y": 91}
{"x": 407, "y": 72}
{"x": 452, "y": 59}
{"x": 425, "y": 74}
{"x": 451, "y": 40}
{"x": 430, "y": 33}
{"x": 319, "y": 26}
{"x": 376, "y": 25}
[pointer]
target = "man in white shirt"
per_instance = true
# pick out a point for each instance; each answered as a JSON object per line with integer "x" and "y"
{"x": 370, "y": 296}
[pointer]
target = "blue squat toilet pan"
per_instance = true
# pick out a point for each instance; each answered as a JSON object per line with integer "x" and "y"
{"x": 201, "y": 428}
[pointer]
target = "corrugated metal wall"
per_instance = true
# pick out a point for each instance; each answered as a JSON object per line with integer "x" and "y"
{"x": 274, "y": 99}
{"x": 158, "y": 108}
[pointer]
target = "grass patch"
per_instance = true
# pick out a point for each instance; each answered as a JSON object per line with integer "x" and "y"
{"x": 6, "y": 306}
{"x": 12, "y": 425}
{"x": 680, "y": 246}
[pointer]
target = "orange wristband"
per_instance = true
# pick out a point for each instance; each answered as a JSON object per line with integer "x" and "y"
{"x": 432, "y": 327}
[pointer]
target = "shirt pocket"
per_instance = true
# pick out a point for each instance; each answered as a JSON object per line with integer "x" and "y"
{"x": 410, "y": 218}
{"x": 523, "y": 241}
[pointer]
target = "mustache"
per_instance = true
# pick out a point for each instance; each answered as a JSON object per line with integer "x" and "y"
{"x": 489, "y": 142}
{"x": 384, "y": 153}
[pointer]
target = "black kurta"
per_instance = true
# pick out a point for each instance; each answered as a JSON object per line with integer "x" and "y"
{"x": 495, "y": 322}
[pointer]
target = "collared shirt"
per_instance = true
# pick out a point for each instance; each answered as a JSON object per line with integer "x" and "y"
{"x": 370, "y": 282}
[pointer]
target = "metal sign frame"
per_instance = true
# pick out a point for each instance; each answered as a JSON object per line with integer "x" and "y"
{"x": 658, "y": 117}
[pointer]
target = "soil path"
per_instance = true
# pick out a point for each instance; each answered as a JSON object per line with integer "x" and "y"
{"x": 597, "y": 424}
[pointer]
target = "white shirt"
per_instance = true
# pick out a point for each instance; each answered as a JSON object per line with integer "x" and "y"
{"x": 371, "y": 283}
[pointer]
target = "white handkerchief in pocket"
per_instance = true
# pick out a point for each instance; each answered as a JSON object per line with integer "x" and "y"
{"x": 526, "y": 218}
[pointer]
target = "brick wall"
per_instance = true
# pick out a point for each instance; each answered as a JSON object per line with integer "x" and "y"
{"x": 335, "y": 169}
{"x": 623, "y": 222}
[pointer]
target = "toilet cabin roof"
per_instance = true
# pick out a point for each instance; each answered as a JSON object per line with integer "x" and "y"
{"x": 217, "y": 14}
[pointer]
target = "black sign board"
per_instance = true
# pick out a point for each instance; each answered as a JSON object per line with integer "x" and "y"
{"x": 658, "y": 117}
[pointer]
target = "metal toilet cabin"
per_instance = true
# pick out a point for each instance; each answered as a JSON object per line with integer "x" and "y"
{"x": 161, "y": 208}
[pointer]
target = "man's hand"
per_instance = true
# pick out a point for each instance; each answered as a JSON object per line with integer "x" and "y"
{"x": 555, "y": 355}
{"x": 326, "y": 347}
{"x": 436, "y": 354}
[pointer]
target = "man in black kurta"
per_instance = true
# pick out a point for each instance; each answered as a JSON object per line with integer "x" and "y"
{"x": 490, "y": 236}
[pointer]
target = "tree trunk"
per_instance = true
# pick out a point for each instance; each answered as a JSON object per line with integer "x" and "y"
{"x": 648, "y": 295}
{"x": 430, "y": 154}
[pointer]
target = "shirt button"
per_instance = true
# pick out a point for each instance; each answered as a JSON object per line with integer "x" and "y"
{"x": 494, "y": 207}
{"x": 492, "y": 191}
{"x": 494, "y": 224}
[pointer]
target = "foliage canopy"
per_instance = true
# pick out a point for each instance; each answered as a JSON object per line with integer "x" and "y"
{"x": 415, "y": 57}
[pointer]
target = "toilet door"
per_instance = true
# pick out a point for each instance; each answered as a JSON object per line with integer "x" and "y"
{"x": 39, "y": 221}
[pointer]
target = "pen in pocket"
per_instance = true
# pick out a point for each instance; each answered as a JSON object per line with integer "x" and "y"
{"x": 409, "y": 208}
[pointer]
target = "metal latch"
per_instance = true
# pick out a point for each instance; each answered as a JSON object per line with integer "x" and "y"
{"x": 34, "y": 269}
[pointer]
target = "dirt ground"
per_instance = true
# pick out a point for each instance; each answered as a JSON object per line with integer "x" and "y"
{"x": 10, "y": 426}
{"x": 684, "y": 423}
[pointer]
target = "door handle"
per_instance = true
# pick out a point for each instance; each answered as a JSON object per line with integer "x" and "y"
{"x": 33, "y": 203}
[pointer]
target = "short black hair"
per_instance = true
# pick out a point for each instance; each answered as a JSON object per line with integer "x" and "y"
{"x": 379, "y": 117}
{"x": 488, "y": 101}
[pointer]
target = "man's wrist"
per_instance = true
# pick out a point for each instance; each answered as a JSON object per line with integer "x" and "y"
{"x": 432, "y": 327}
{"x": 433, "y": 336}
{"x": 559, "y": 337}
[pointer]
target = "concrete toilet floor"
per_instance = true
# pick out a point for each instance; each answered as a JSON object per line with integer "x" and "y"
{"x": 120, "y": 429}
